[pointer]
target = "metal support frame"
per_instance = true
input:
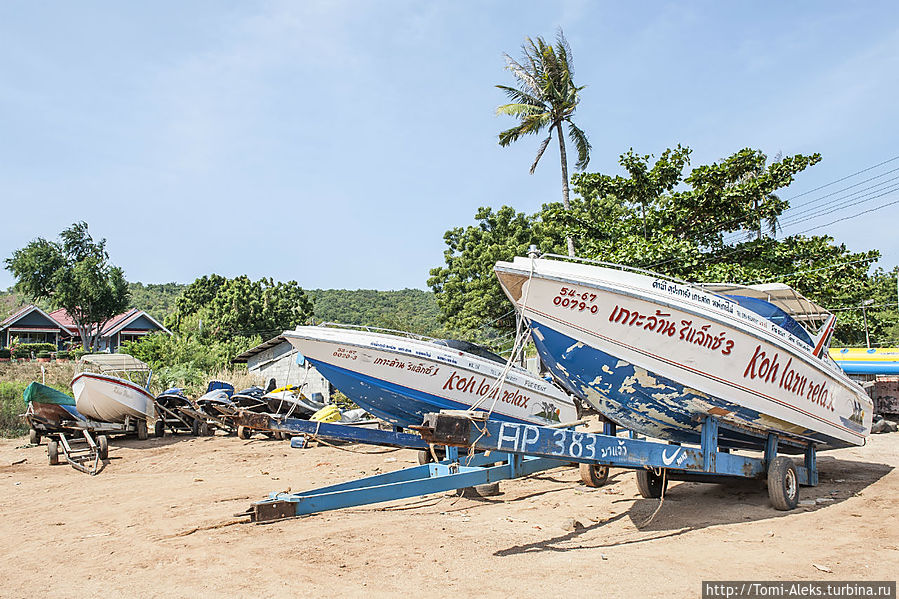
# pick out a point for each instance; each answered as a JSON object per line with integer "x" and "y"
{"x": 705, "y": 463}
{"x": 448, "y": 475}
{"x": 455, "y": 472}
{"x": 330, "y": 431}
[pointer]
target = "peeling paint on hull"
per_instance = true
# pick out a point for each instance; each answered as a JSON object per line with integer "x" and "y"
{"x": 657, "y": 358}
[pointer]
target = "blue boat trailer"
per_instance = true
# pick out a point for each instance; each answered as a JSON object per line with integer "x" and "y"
{"x": 655, "y": 462}
{"x": 453, "y": 473}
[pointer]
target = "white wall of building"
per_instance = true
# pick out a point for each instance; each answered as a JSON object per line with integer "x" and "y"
{"x": 280, "y": 363}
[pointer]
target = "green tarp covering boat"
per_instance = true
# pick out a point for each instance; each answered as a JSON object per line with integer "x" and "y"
{"x": 38, "y": 393}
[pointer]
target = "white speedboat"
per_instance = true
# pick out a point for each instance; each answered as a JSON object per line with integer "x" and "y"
{"x": 400, "y": 379}
{"x": 112, "y": 388}
{"x": 657, "y": 355}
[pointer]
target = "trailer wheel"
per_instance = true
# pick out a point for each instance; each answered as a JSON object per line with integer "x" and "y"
{"x": 195, "y": 428}
{"x": 783, "y": 484}
{"x": 142, "y": 433}
{"x": 34, "y": 437}
{"x": 103, "y": 447}
{"x": 204, "y": 429}
{"x": 594, "y": 475}
{"x": 159, "y": 429}
{"x": 53, "y": 451}
{"x": 243, "y": 432}
{"x": 650, "y": 484}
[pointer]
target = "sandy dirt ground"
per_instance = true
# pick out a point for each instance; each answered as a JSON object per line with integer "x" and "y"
{"x": 158, "y": 522}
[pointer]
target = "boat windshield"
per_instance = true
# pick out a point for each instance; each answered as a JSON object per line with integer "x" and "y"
{"x": 471, "y": 348}
{"x": 773, "y": 314}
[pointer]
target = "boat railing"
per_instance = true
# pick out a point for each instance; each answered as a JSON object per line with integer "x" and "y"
{"x": 407, "y": 334}
{"x": 371, "y": 329}
{"x": 635, "y": 269}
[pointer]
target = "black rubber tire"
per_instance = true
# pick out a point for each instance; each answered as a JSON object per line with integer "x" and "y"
{"x": 243, "y": 432}
{"x": 650, "y": 484}
{"x": 53, "y": 451}
{"x": 783, "y": 484}
{"x": 204, "y": 429}
{"x": 142, "y": 433}
{"x": 195, "y": 428}
{"x": 103, "y": 447}
{"x": 159, "y": 429}
{"x": 594, "y": 475}
{"x": 34, "y": 437}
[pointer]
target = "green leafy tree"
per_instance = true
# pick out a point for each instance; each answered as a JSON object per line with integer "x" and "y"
{"x": 227, "y": 308}
{"x": 545, "y": 99}
{"x": 687, "y": 225}
{"x": 73, "y": 273}
{"x": 465, "y": 288}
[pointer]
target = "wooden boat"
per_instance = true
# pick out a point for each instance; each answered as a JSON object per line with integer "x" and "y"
{"x": 657, "y": 355}
{"x": 48, "y": 410}
{"x": 113, "y": 388}
{"x": 401, "y": 378}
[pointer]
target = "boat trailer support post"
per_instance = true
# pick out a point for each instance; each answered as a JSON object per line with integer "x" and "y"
{"x": 709, "y": 444}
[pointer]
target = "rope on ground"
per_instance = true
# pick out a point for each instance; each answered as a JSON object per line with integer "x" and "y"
{"x": 661, "y": 499}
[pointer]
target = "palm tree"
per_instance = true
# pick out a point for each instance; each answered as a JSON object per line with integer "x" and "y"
{"x": 545, "y": 98}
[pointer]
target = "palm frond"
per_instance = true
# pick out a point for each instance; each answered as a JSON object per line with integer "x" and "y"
{"x": 523, "y": 75}
{"x": 519, "y": 110}
{"x": 540, "y": 151}
{"x": 581, "y": 143}
{"x": 520, "y": 97}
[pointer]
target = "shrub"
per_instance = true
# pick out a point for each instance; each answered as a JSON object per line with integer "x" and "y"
{"x": 37, "y": 347}
{"x": 21, "y": 352}
{"x": 62, "y": 355}
{"x": 5, "y": 353}
{"x": 43, "y": 354}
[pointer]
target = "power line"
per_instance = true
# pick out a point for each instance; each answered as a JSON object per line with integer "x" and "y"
{"x": 842, "y": 206}
{"x": 848, "y": 217}
{"x": 865, "y": 170}
{"x": 848, "y": 187}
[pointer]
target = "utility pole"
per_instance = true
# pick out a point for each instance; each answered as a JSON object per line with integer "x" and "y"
{"x": 865, "y": 304}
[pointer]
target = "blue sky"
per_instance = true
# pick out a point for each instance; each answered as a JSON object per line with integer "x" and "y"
{"x": 333, "y": 143}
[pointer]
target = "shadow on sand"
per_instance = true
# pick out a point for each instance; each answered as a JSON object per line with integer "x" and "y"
{"x": 721, "y": 504}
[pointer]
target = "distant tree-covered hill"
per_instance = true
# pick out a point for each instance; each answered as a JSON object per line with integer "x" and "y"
{"x": 410, "y": 310}
{"x": 158, "y": 299}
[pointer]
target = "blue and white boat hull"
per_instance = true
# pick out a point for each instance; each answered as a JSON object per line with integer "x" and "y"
{"x": 400, "y": 379}
{"x": 657, "y": 357}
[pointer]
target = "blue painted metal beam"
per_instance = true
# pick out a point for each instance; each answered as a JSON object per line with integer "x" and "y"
{"x": 331, "y": 431}
{"x": 402, "y": 484}
{"x": 589, "y": 448}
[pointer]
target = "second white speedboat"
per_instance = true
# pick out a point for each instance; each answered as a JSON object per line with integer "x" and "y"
{"x": 401, "y": 378}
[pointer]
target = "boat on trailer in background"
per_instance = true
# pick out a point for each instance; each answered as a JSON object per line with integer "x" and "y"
{"x": 399, "y": 377}
{"x": 658, "y": 355}
{"x": 114, "y": 388}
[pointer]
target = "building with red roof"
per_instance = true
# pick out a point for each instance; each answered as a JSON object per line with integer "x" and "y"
{"x": 33, "y": 325}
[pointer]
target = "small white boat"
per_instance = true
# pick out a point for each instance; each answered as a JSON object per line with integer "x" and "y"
{"x": 113, "y": 388}
{"x": 657, "y": 355}
{"x": 399, "y": 379}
